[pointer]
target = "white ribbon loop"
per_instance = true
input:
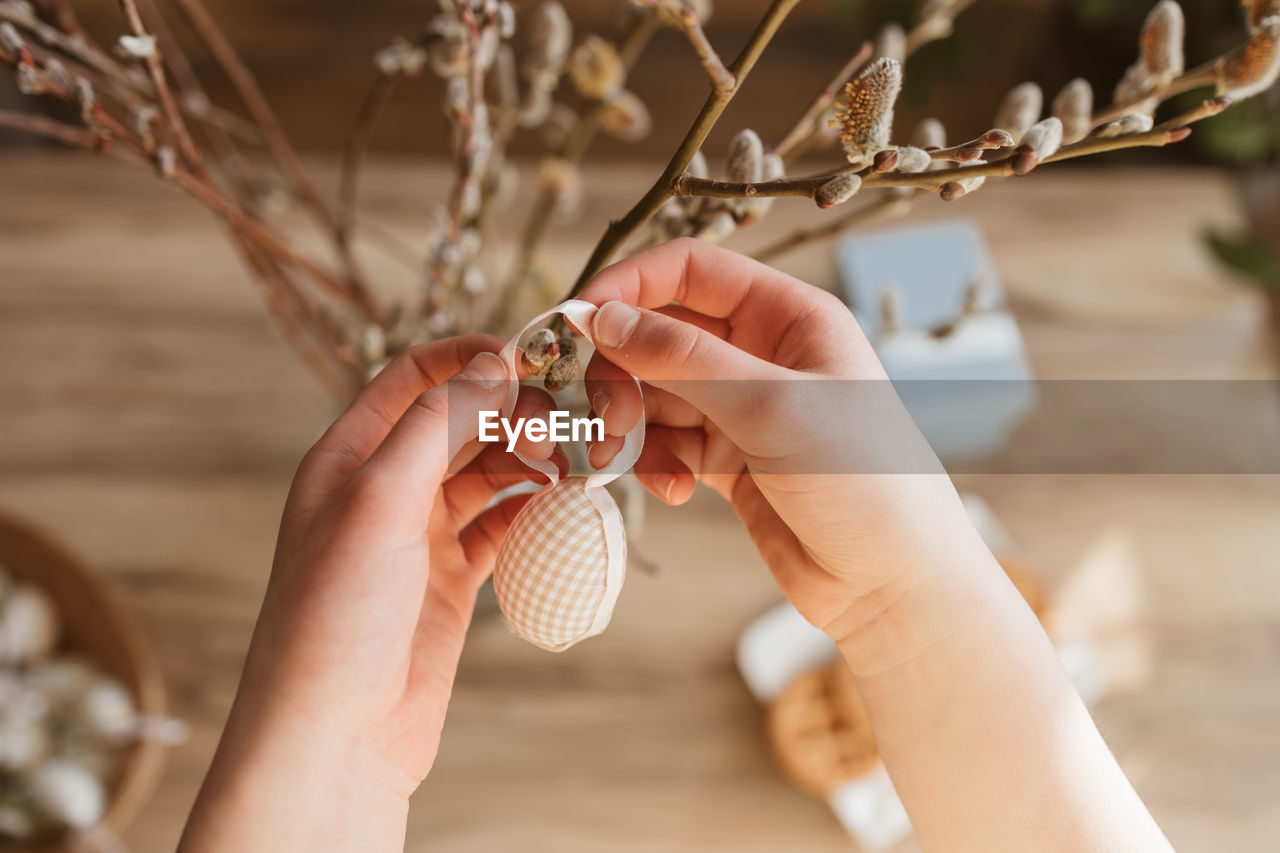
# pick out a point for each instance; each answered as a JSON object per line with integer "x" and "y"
{"x": 580, "y": 314}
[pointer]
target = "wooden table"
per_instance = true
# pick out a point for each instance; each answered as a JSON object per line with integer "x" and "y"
{"x": 152, "y": 418}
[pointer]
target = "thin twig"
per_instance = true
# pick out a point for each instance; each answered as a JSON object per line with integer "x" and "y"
{"x": 620, "y": 230}
{"x": 353, "y": 153}
{"x": 155, "y": 68}
{"x": 69, "y": 133}
{"x": 571, "y": 150}
{"x": 883, "y": 207}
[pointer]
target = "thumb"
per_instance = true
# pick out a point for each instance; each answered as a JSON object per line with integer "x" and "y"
{"x": 407, "y": 468}
{"x": 711, "y": 374}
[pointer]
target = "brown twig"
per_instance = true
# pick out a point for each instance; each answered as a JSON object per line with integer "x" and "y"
{"x": 620, "y": 230}
{"x": 155, "y": 68}
{"x": 69, "y": 133}
{"x": 571, "y": 150}
{"x": 1204, "y": 75}
{"x": 353, "y": 154}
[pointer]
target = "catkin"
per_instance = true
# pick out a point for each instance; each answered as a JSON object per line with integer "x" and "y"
{"x": 864, "y": 110}
{"x": 1073, "y": 106}
{"x": 1020, "y": 109}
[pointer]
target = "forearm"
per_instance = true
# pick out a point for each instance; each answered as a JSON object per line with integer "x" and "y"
{"x": 280, "y": 783}
{"x": 987, "y": 742}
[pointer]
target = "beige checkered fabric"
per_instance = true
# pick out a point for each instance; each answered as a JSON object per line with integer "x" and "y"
{"x": 550, "y": 577}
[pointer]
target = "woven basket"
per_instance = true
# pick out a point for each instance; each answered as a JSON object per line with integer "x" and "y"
{"x": 95, "y": 625}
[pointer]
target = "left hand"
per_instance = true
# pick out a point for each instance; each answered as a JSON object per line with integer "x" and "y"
{"x": 380, "y": 555}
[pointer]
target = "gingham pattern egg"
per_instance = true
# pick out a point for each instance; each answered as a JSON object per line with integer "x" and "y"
{"x": 552, "y": 575}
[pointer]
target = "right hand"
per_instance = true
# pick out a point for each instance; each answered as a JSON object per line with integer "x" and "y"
{"x": 815, "y": 469}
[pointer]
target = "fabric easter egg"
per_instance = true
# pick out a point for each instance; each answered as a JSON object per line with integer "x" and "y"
{"x": 563, "y": 559}
{"x": 558, "y": 575}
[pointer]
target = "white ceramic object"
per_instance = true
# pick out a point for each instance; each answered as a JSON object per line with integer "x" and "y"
{"x": 931, "y": 268}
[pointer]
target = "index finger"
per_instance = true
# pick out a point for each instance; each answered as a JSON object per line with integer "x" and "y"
{"x": 702, "y": 277}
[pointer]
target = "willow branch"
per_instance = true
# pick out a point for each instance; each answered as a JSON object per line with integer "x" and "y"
{"x": 572, "y": 149}
{"x": 620, "y": 230}
{"x": 1204, "y": 75}
{"x": 39, "y": 125}
{"x": 934, "y": 27}
{"x": 883, "y": 207}
{"x": 247, "y": 88}
{"x": 155, "y": 68}
{"x": 721, "y": 78}
{"x": 353, "y": 154}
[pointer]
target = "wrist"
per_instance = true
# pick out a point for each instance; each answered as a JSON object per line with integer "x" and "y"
{"x": 279, "y": 781}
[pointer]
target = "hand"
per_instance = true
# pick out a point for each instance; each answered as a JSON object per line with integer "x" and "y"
{"x": 381, "y": 552}
{"x": 765, "y": 389}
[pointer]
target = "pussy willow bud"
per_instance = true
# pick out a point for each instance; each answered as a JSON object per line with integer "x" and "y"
{"x": 28, "y": 79}
{"x": 1160, "y": 42}
{"x": 891, "y": 42}
{"x": 505, "y": 19}
{"x": 561, "y": 180}
{"x": 142, "y": 118}
{"x": 539, "y": 352}
{"x": 1073, "y": 106}
{"x": 912, "y": 159}
{"x": 626, "y": 117}
{"x": 166, "y": 162}
{"x": 1041, "y": 140}
{"x": 565, "y": 368}
{"x": 929, "y": 134}
{"x": 1257, "y": 11}
{"x": 59, "y": 76}
{"x": 136, "y": 47}
{"x": 959, "y": 189}
{"x": 1132, "y": 123}
{"x": 838, "y": 190}
{"x": 596, "y": 69}
{"x": 401, "y": 57}
{"x": 86, "y": 99}
{"x": 11, "y": 39}
{"x": 697, "y": 167}
{"x": 744, "y": 164}
{"x": 550, "y": 37}
{"x": 1254, "y": 66}
{"x": 1135, "y": 83}
{"x": 864, "y": 110}
{"x": 716, "y": 227}
{"x": 1020, "y": 109}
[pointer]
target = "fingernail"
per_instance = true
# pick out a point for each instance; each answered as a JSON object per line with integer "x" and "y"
{"x": 668, "y": 485}
{"x": 600, "y": 402}
{"x": 485, "y": 370}
{"x": 614, "y": 323}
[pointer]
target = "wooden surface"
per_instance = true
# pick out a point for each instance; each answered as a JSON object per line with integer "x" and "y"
{"x": 151, "y": 418}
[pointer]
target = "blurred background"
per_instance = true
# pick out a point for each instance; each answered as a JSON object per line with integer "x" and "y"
{"x": 152, "y": 417}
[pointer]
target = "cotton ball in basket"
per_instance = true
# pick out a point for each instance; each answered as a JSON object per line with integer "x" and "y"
{"x": 28, "y": 625}
{"x": 24, "y": 741}
{"x": 561, "y": 565}
{"x": 68, "y": 793}
{"x": 62, "y": 681}
{"x": 106, "y": 711}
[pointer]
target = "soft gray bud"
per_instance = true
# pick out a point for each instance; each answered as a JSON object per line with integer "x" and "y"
{"x": 891, "y": 42}
{"x": 1074, "y": 107}
{"x": 1043, "y": 138}
{"x": 1020, "y": 109}
{"x": 1160, "y": 43}
{"x": 11, "y": 38}
{"x": 929, "y": 134}
{"x": 838, "y": 190}
{"x": 1132, "y": 123}
{"x": 1254, "y": 66}
{"x": 744, "y": 163}
{"x": 136, "y": 47}
{"x": 912, "y": 159}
